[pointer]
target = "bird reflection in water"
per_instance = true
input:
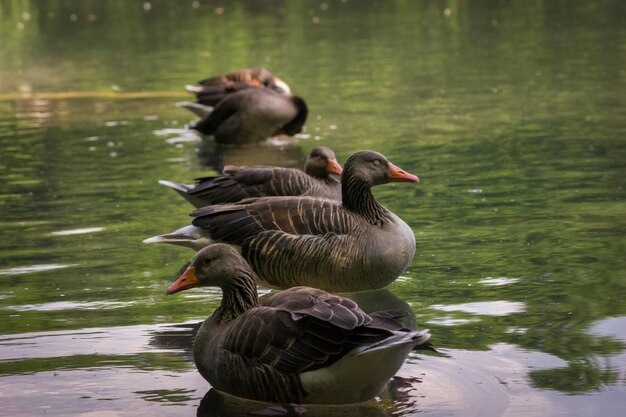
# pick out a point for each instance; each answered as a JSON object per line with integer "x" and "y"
{"x": 274, "y": 152}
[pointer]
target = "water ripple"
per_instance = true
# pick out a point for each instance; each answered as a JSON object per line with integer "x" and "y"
{"x": 486, "y": 308}
{"x": 33, "y": 268}
{"x": 80, "y": 231}
{"x": 71, "y": 305}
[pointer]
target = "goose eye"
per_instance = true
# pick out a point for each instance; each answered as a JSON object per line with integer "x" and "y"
{"x": 207, "y": 261}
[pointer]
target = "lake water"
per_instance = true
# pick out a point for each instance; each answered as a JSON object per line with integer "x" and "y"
{"x": 513, "y": 115}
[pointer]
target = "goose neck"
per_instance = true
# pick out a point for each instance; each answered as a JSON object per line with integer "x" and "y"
{"x": 239, "y": 295}
{"x": 357, "y": 197}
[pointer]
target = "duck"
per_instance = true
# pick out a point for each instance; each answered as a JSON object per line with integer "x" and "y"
{"x": 302, "y": 345}
{"x": 236, "y": 183}
{"x": 352, "y": 245}
{"x": 211, "y": 90}
{"x": 252, "y": 115}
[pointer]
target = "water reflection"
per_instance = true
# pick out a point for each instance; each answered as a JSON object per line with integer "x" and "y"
{"x": 33, "y": 268}
{"x": 593, "y": 372}
{"x": 95, "y": 369}
{"x": 487, "y": 308}
{"x": 277, "y": 151}
{"x": 216, "y": 404}
{"x": 216, "y": 156}
{"x": 177, "y": 336}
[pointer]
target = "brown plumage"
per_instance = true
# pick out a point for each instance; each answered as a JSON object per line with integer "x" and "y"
{"x": 289, "y": 241}
{"x": 237, "y": 183}
{"x": 210, "y": 91}
{"x": 302, "y": 345}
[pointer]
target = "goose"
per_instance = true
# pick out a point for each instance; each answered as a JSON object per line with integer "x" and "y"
{"x": 211, "y": 90}
{"x": 252, "y": 115}
{"x": 354, "y": 245}
{"x": 236, "y": 183}
{"x": 303, "y": 345}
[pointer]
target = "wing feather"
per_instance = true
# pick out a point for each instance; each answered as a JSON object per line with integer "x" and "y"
{"x": 238, "y": 183}
{"x": 324, "y": 328}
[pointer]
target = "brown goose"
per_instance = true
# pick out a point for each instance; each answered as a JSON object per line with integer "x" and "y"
{"x": 302, "y": 345}
{"x": 237, "y": 183}
{"x": 252, "y": 115}
{"x": 211, "y": 90}
{"x": 289, "y": 241}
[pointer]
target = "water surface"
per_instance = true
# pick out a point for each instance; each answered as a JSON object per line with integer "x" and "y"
{"x": 511, "y": 113}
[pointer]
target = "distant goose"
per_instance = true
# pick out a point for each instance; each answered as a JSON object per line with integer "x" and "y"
{"x": 237, "y": 183}
{"x": 303, "y": 345}
{"x": 210, "y": 91}
{"x": 289, "y": 241}
{"x": 253, "y": 115}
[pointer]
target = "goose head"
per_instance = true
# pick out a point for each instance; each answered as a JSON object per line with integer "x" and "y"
{"x": 372, "y": 168}
{"x": 261, "y": 77}
{"x": 279, "y": 86}
{"x": 213, "y": 266}
{"x": 321, "y": 162}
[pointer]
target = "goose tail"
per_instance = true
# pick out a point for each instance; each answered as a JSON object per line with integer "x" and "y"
{"x": 194, "y": 89}
{"x": 183, "y": 190}
{"x": 190, "y": 237}
{"x": 400, "y": 338}
{"x": 176, "y": 186}
{"x": 198, "y": 109}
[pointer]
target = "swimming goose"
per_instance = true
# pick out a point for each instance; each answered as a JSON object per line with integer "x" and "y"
{"x": 303, "y": 345}
{"x": 237, "y": 183}
{"x": 252, "y": 115}
{"x": 211, "y": 90}
{"x": 354, "y": 245}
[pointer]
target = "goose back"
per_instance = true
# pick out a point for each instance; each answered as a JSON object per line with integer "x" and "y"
{"x": 237, "y": 183}
{"x": 212, "y": 90}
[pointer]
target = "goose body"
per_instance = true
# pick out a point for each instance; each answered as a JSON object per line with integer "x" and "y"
{"x": 252, "y": 115}
{"x": 303, "y": 345}
{"x": 289, "y": 241}
{"x": 237, "y": 183}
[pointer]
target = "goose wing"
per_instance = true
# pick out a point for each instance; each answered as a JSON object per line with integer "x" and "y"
{"x": 212, "y": 90}
{"x": 292, "y": 241}
{"x": 223, "y": 111}
{"x": 256, "y": 76}
{"x": 302, "y": 329}
{"x": 238, "y": 183}
{"x": 294, "y": 216}
{"x": 211, "y": 95}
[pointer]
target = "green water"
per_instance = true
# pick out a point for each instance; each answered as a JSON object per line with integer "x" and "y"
{"x": 513, "y": 115}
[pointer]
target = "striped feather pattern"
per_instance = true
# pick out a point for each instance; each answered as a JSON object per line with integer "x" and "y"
{"x": 237, "y": 183}
{"x": 354, "y": 245}
{"x": 294, "y": 241}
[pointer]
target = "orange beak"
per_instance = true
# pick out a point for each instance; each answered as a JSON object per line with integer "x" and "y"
{"x": 184, "y": 282}
{"x": 333, "y": 167}
{"x": 399, "y": 175}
